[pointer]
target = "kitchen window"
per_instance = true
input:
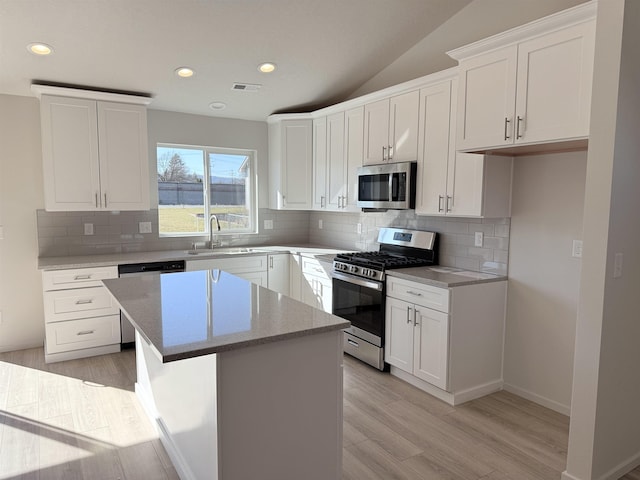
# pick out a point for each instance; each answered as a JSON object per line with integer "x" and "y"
{"x": 196, "y": 182}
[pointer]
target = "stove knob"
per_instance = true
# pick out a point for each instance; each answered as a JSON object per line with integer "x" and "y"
{"x": 353, "y": 269}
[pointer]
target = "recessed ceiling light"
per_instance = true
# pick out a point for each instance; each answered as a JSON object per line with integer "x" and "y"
{"x": 184, "y": 72}
{"x": 217, "y": 105}
{"x": 267, "y": 67}
{"x": 40, "y": 48}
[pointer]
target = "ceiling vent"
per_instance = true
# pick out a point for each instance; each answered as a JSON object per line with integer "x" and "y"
{"x": 246, "y": 87}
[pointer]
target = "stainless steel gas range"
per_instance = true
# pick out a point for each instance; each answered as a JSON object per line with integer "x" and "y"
{"x": 359, "y": 287}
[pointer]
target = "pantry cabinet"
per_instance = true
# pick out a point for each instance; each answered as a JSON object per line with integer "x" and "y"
{"x": 452, "y": 183}
{"x": 290, "y": 162}
{"x": 532, "y": 86}
{"x": 95, "y": 154}
{"x": 391, "y": 129}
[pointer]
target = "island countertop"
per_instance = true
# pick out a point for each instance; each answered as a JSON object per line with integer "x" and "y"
{"x": 185, "y": 315}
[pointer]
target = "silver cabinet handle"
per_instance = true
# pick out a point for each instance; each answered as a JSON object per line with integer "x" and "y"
{"x": 322, "y": 200}
{"x": 448, "y": 205}
{"x": 84, "y": 302}
{"x": 96, "y": 199}
{"x": 384, "y": 153}
{"x": 82, "y": 277}
{"x": 519, "y": 119}
{"x": 390, "y": 153}
{"x": 105, "y": 200}
{"x": 408, "y": 314}
{"x": 411, "y": 292}
{"x": 506, "y": 125}
{"x": 86, "y": 332}
{"x": 351, "y": 342}
{"x": 415, "y": 317}
{"x": 440, "y": 198}
{"x": 284, "y": 200}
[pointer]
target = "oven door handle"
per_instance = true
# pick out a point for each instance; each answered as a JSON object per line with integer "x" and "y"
{"x": 377, "y": 286}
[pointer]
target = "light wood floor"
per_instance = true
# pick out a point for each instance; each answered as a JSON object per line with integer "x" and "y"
{"x": 81, "y": 420}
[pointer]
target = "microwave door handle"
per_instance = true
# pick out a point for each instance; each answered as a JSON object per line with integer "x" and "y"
{"x": 391, "y": 175}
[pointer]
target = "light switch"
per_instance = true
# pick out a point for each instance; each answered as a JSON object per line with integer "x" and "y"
{"x": 88, "y": 228}
{"x": 144, "y": 227}
{"x": 320, "y": 224}
{"x": 577, "y": 249}
{"x": 359, "y": 228}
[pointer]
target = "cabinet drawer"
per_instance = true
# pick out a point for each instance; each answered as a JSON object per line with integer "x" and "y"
{"x": 85, "y": 333}
{"x": 77, "y": 277}
{"x": 61, "y": 305}
{"x": 312, "y": 266}
{"x": 420, "y": 294}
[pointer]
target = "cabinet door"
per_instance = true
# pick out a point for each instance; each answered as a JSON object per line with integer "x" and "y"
{"x": 376, "y": 132}
{"x": 466, "y": 185}
{"x": 554, "y": 85}
{"x": 124, "y": 161}
{"x": 319, "y": 163}
{"x": 297, "y": 164}
{"x": 399, "y": 332}
{"x": 259, "y": 278}
{"x": 435, "y": 149}
{"x": 403, "y": 127}
{"x": 278, "y": 273}
{"x": 336, "y": 172}
{"x": 486, "y": 100}
{"x": 70, "y": 153}
{"x": 354, "y": 153}
{"x": 431, "y": 346}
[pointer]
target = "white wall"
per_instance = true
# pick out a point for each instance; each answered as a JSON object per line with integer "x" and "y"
{"x": 604, "y": 438}
{"x": 21, "y": 193}
{"x": 544, "y": 279}
{"x": 478, "y": 20}
{"x": 186, "y": 129}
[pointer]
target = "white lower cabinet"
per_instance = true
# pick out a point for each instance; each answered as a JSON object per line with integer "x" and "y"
{"x": 81, "y": 317}
{"x": 278, "y": 272}
{"x": 446, "y": 341}
{"x": 252, "y": 268}
{"x": 311, "y": 282}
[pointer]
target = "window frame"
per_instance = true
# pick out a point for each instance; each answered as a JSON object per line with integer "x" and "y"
{"x": 251, "y": 193}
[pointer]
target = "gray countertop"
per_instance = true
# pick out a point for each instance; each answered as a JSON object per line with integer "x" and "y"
{"x": 445, "y": 277}
{"x": 85, "y": 261}
{"x": 185, "y": 315}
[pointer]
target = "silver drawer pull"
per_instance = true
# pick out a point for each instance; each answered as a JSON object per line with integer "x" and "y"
{"x": 82, "y": 277}
{"x": 86, "y": 332}
{"x": 417, "y": 294}
{"x": 84, "y": 302}
{"x": 351, "y": 342}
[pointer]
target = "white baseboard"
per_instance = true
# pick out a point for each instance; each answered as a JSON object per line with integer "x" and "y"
{"x": 615, "y": 473}
{"x": 539, "y": 399}
{"x": 149, "y": 407}
{"x": 568, "y": 476}
{"x": 450, "y": 398}
{"x": 82, "y": 353}
{"x": 14, "y": 348}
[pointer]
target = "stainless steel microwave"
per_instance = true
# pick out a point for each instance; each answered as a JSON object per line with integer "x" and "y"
{"x": 387, "y": 186}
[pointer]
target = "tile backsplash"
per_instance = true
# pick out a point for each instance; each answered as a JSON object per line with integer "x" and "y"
{"x": 62, "y": 234}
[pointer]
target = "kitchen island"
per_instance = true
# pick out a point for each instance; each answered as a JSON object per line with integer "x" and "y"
{"x": 242, "y": 382}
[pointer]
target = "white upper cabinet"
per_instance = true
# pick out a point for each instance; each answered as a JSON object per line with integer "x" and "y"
{"x": 354, "y": 153}
{"x": 391, "y": 129}
{"x": 290, "y": 163}
{"x": 329, "y": 165}
{"x": 530, "y": 85}
{"x": 449, "y": 182}
{"x": 95, "y": 154}
{"x": 319, "y": 163}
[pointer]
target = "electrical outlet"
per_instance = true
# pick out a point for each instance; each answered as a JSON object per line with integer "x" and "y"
{"x": 144, "y": 227}
{"x": 576, "y": 252}
{"x": 268, "y": 224}
{"x": 617, "y": 265}
{"x": 359, "y": 228}
{"x": 479, "y": 239}
{"x": 320, "y": 224}
{"x": 88, "y": 228}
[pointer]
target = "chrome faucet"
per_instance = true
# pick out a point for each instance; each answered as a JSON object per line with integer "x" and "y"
{"x": 212, "y": 217}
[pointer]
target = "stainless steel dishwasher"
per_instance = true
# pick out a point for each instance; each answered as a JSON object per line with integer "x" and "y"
{"x": 128, "y": 333}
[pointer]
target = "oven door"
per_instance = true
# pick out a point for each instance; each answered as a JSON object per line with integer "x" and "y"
{"x": 360, "y": 301}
